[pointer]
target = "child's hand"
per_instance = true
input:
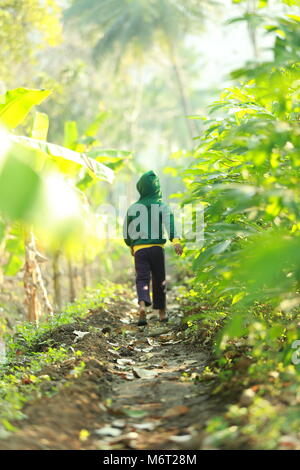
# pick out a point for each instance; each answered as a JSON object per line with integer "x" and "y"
{"x": 178, "y": 249}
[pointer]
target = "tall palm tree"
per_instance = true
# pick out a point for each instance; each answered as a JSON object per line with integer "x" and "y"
{"x": 136, "y": 26}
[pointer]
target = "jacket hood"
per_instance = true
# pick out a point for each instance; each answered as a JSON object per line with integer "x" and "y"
{"x": 149, "y": 185}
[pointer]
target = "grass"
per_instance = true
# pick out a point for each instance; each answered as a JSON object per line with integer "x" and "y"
{"x": 21, "y": 375}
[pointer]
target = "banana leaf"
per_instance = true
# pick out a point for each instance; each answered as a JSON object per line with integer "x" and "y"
{"x": 16, "y": 104}
{"x": 95, "y": 168}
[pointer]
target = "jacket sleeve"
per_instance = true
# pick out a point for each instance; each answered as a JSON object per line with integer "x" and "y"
{"x": 126, "y": 236}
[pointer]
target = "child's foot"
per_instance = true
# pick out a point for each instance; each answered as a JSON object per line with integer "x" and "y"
{"x": 142, "y": 315}
{"x": 164, "y": 320}
{"x": 163, "y": 317}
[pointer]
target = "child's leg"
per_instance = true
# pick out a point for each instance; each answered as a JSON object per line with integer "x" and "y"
{"x": 142, "y": 270}
{"x": 158, "y": 279}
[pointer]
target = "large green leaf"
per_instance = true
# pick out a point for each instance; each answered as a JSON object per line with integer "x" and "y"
{"x": 70, "y": 135}
{"x": 13, "y": 266}
{"x": 40, "y": 126}
{"x": 16, "y": 104}
{"x": 114, "y": 159}
{"x": 235, "y": 327}
{"x": 106, "y": 153}
{"x": 216, "y": 249}
{"x": 20, "y": 187}
{"x": 2, "y": 230}
{"x": 97, "y": 169}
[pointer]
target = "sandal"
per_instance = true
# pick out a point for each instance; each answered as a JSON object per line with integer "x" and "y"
{"x": 142, "y": 322}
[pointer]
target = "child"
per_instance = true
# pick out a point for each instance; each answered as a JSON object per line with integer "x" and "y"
{"x": 143, "y": 233}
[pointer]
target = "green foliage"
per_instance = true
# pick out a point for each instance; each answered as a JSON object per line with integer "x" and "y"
{"x": 27, "y": 334}
{"x": 136, "y": 25}
{"x": 246, "y": 173}
{"x": 20, "y": 187}
{"x": 264, "y": 3}
{"x": 40, "y": 126}
{"x": 30, "y": 166}
{"x": 16, "y": 104}
{"x": 26, "y": 27}
{"x": 21, "y": 376}
{"x": 58, "y": 153}
{"x": 21, "y": 383}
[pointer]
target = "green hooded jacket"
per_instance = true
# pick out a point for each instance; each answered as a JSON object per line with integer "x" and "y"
{"x": 147, "y": 218}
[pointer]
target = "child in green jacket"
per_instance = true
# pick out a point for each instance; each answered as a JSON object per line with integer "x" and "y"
{"x": 143, "y": 233}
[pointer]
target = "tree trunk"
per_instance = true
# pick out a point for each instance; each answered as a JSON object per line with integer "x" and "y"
{"x": 72, "y": 294}
{"x": 2, "y": 246}
{"x": 77, "y": 279}
{"x": 251, "y": 8}
{"x": 84, "y": 270}
{"x": 56, "y": 279}
{"x": 33, "y": 282}
{"x": 191, "y": 124}
{"x": 30, "y": 284}
{"x": 137, "y": 106}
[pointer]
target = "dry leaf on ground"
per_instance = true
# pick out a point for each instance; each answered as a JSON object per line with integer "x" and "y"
{"x": 176, "y": 411}
{"x": 144, "y": 373}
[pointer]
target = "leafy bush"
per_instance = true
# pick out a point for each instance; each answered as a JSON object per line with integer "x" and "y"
{"x": 246, "y": 174}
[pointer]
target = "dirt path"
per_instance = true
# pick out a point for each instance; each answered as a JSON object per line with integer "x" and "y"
{"x": 134, "y": 392}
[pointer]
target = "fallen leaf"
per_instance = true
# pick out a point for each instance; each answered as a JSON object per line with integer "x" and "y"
{"x": 80, "y": 335}
{"x": 145, "y": 357}
{"x": 128, "y": 376}
{"x": 125, "y": 361}
{"x": 188, "y": 363}
{"x": 124, "y": 375}
{"x": 144, "y": 373}
{"x": 153, "y": 343}
{"x": 176, "y": 411}
{"x": 155, "y": 440}
{"x": 133, "y": 413}
{"x": 163, "y": 343}
{"x": 108, "y": 431}
{"x": 104, "y": 445}
{"x": 119, "y": 423}
{"x": 158, "y": 332}
{"x": 120, "y": 366}
{"x": 139, "y": 342}
{"x": 151, "y": 316}
{"x": 125, "y": 437}
{"x": 151, "y": 406}
{"x": 146, "y": 426}
{"x": 113, "y": 352}
{"x": 179, "y": 439}
{"x": 146, "y": 350}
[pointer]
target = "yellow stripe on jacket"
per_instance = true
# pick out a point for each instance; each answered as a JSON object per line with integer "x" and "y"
{"x": 139, "y": 247}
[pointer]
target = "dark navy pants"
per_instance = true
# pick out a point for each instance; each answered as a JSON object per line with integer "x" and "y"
{"x": 150, "y": 263}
